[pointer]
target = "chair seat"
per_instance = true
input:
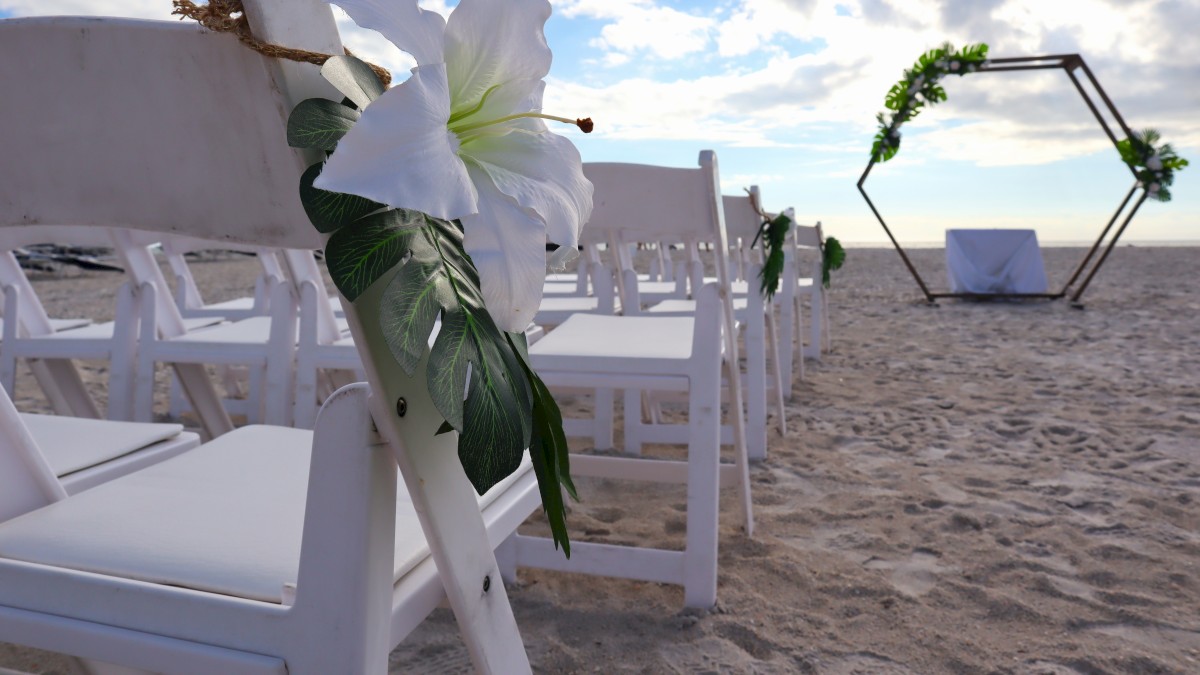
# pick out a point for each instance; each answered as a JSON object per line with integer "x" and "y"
{"x": 552, "y": 288}
{"x": 243, "y": 304}
{"x": 638, "y": 344}
{"x": 88, "y": 331}
{"x": 252, "y": 332}
{"x": 554, "y": 310}
{"x": 58, "y": 324}
{"x": 657, "y": 287}
{"x": 743, "y": 287}
{"x": 72, "y": 444}
{"x": 684, "y": 307}
{"x": 575, "y": 303}
{"x": 225, "y": 518}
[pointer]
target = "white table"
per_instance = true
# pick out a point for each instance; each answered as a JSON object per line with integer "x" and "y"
{"x": 993, "y": 262}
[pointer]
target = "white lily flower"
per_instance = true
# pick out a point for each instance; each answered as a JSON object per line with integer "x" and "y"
{"x": 463, "y": 138}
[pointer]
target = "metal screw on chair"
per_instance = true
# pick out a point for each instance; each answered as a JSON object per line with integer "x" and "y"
{"x": 487, "y": 584}
{"x": 401, "y": 406}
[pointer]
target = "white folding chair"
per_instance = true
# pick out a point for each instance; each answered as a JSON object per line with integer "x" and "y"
{"x": 249, "y": 554}
{"x": 29, "y": 335}
{"x": 656, "y": 353}
{"x": 753, "y": 320}
{"x": 83, "y": 453}
{"x": 810, "y": 239}
{"x": 764, "y": 372}
{"x": 802, "y": 277}
{"x": 187, "y": 294}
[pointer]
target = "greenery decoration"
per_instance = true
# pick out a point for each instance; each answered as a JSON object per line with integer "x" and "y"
{"x": 772, "y": 232}
{"x": 506, "y": 407}
{"x": 1154, "y": 167}
{"x": 920, "y": 89}
{"x": 833, "y": 256}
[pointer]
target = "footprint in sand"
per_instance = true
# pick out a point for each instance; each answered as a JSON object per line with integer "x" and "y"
{"x": 913, "y": 577}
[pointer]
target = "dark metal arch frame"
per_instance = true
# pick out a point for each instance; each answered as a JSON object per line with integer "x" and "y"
{"x": 1068, "y": 63}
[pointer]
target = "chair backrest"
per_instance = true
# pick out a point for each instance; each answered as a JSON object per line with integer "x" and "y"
{"x": 744, "y": 223}
{"x": 808, "y": 236}
{"x": 165, "y": 127}
{"x": 741, "y": 217}
{"x": 176, "y": 248}
{"x": 159, "y": 127}
{"x": 638, "y": 202}
{"x": 33, "y": 317}
{"x": 658, "y": 204}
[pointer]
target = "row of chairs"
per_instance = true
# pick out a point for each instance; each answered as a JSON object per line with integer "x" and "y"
{"x": 271, "y": 549}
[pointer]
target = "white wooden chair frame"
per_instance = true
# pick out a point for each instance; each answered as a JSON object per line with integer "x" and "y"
{"x": 342, "y": 618}
{"x": 802, "y": 277}
{"x": 713, "y": 351}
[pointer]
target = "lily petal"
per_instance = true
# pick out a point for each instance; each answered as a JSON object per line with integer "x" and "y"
{"x": 490, "y": 43}
{"x": 507, "y": 244}
{"x": 501, "y": 100}
{"x": 401, "y": 154}
{"x": 543, "y": 173}
{"x": 417, "y": 31}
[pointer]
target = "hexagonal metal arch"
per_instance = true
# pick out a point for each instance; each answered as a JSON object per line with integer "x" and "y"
{"x": 1069, "y": 63}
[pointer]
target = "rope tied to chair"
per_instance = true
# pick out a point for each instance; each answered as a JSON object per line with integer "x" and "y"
{"x": 218, "y": 16}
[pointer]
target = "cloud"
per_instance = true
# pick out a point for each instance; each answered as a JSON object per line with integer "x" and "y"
{"x": 733, "y": 184}
{"x": 1141, "y": 53}
{"x": 641, "y": 27}
{"x": 134, "y": 9}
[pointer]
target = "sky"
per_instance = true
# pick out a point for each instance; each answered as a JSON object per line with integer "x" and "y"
{"x": 786, "y": 93}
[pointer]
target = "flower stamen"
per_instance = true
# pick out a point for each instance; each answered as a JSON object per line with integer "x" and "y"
{"x": 584, "y": 124}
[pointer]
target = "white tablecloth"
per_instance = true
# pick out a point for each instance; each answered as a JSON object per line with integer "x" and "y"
{"x": 994, "y": 261}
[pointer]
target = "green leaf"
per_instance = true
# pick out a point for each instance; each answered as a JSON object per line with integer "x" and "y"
{"x": 833, "y": 256}
{"x": 495, "y": 419}
{"x": 772, "y": 270}
{"x": 354, "y": 79}
{"x": 319, "y": 123}
{"x": 327, "y": 210}
{"x": 549, "y": 451}
{"x": 357, "y": 256}
{"x": 411, "y": 304}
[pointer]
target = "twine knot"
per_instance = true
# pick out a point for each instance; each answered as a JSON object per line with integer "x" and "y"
{"x": 218, "y": 16}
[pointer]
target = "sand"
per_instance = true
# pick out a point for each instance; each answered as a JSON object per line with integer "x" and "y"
{"x": 965, "y": 488}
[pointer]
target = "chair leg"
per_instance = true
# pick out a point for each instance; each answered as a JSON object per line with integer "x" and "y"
{"x": 254, "y": 397}
{"x": 304, "y": 409}
{"x": 776, "y": 372}
{"x": 348, "y": 583}
{"x": 827, "y": 329}
{"x": 123, "y": 358}
{"x": 64, "y": 387}
{"x": 602, "y": 419}
{"x": 813, "y": 350}
{"x": 799, "y": 347}
{"x": 204, "y": 399}
{"x": 741, "y": 457}
{"x": 178, "y": 402}
{"x": 633, "y": 421}
{"x": 756, "y": 388}
{"x": 787, "y": 335}
{"x": 703, "y": 489}
{"x": 506, "y": 558}
{"x": 143, "y": 388}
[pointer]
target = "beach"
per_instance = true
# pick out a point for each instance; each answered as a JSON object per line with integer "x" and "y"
{"x": 995, "y": 487}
